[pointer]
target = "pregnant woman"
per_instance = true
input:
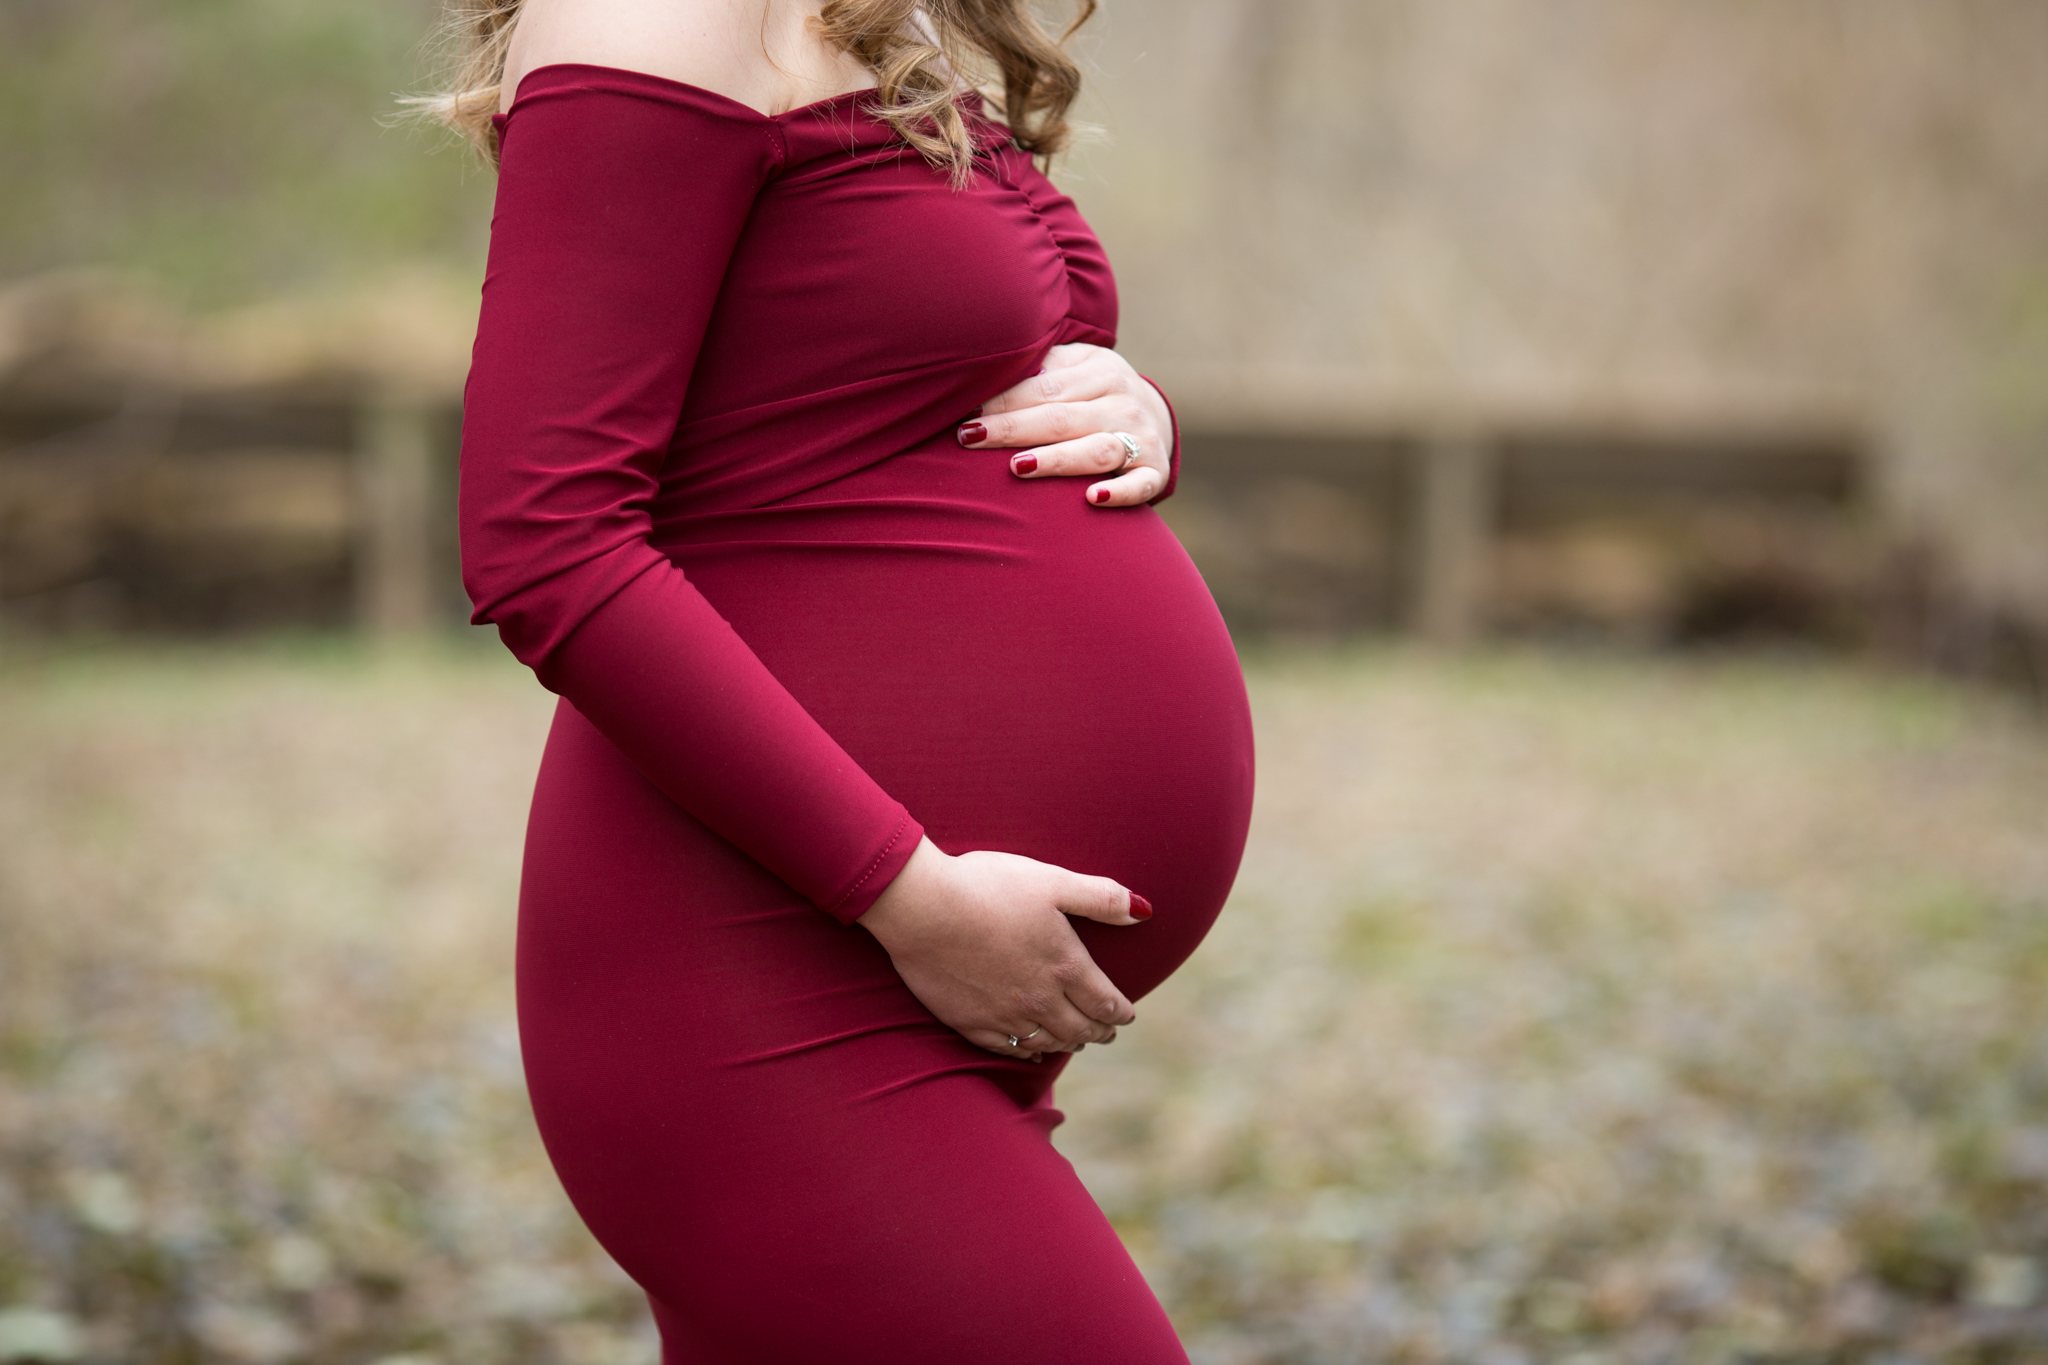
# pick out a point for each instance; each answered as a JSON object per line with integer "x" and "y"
{"x": 890, "y": 765}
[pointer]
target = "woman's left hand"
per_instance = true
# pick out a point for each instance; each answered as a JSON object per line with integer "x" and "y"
{"x": 1064, "y": 417}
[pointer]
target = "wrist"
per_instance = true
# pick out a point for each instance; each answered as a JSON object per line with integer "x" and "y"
{"x": 889, "y": 917}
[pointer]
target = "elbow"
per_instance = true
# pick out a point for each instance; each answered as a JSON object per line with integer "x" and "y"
{"x": 544, "y": 544}
{"x": 536, "y": 590}
{"x": 527, "y": 619}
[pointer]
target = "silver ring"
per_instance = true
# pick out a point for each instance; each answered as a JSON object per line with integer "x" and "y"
{"x": 1034, "y": 1033}
{"x": 1131, "y": 449}
{"x": 1013, "y": 1040}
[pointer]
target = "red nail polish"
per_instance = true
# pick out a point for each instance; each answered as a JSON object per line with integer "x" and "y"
{"x": 1025, "y": 464}
{"x": 978, "y": 411}
{"x": 972, "y": 433}
{"x": 1102, "y": 495}
{"x": 1140, "y": 907}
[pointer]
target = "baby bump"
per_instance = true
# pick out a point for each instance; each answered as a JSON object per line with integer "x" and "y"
{"x": 1025, "y": 673}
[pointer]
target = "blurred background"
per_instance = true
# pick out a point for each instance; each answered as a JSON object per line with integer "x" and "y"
{"x": 1617, "y": 434}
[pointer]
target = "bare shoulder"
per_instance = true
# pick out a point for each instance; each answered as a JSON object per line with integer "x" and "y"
{"x": 710, "y": 43}
{"x": 755, "y": 51}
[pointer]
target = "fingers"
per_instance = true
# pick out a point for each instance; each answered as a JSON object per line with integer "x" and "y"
{"x": 1084, "y": 1007}
{"x": 1101, "y": 453}
{"x": 1067, "y": 439}
{"x": 1072, "y": 373}
{"x": 988, "y": 1040}
{"x": 1051, "y": 423}
{"x": 1025, "y": 984}
{"x": 1088, "y": 988}
{"x": 1068, "y": 1027}
{"x": 1097, "y": 453}
{"x": 1100, "y": 899}
{"x": 1064, "y": 420}
{"x": 1140, "y": 484}
{"x": 1094, "y": 995}
{"x": 1082, "y": 1047}
{"x": 1033, "y": 1047}
{"x": 1071, "y": 1030}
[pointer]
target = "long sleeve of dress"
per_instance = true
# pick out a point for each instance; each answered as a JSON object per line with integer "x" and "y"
{"x": 619, "y": 203}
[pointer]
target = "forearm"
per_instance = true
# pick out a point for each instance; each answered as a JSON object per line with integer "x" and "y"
{"x": 669, "y": 682}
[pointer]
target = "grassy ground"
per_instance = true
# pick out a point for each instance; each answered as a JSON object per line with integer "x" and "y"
{"x": 1569, "y": 1009}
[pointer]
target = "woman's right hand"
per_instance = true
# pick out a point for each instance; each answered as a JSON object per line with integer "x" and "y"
{"x": 983, "y": 940}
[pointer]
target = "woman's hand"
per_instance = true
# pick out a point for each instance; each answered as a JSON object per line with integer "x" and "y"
{"x": 983, "y": 940}
{"x": 1064, "y": 416}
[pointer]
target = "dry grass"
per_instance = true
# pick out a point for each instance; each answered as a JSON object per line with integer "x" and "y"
{"x": 1569, "y": 1008}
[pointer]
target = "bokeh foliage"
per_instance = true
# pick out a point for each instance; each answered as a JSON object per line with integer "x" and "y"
{"x": 230, "y": 148}
{"x": 1620, "y": 1012}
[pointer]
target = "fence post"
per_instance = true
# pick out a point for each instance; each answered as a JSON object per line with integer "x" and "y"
{"x": 395, "y": 492}
{"x": 1452, "y": 524}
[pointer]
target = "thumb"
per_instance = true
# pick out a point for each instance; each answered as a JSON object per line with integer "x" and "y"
{"x": 1102, "y": 900}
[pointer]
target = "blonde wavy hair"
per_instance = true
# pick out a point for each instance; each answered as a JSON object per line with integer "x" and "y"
{"x": 921, "y": 52}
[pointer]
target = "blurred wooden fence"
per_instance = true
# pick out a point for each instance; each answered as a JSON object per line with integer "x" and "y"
{"x": 1455, "y": 517}
{"x": 1461, "y": 530}
{"x": 296, "y": 467}
{"x": 293, "y": 466}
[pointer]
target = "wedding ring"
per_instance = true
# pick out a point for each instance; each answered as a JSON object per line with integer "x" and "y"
{"x": 1131, "y": 449}
{"x": 1034, "y": 1033}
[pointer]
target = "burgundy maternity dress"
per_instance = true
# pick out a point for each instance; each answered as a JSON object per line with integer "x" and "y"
{"x": 712, "y": 494}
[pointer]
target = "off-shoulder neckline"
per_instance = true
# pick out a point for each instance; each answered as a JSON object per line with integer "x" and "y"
{"x": 630, "y": 76}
